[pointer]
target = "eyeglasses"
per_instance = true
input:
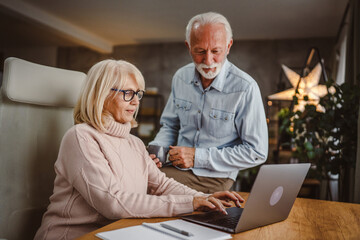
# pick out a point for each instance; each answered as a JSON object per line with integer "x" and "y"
{"x": 128, "y": 95}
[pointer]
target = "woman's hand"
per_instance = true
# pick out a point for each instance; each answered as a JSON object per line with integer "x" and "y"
{"x": 217, "y": 201}
{"x": 156, "y": 160}
{"x": 226, "y": 197}
{"x": 208, "y": 203}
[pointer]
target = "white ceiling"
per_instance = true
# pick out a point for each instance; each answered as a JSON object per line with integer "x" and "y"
{"x": 102, "y": 24}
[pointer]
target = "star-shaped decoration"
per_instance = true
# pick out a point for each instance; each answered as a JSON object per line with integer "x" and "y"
{"x": 309, "y": 85}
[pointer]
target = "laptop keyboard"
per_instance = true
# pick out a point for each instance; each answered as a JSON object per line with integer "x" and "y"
{"x": 216, "y": 218}
{"x": 229, "y": 222}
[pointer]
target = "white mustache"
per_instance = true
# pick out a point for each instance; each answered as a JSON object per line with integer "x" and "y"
{"x": 214, "y": 65}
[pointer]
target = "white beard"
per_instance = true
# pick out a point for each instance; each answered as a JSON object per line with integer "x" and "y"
{"x": 210, "y": 74}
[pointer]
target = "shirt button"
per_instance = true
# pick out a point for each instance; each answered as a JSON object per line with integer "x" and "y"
{"x": 215, "y": 116}
{"x": 199, "y": 111}
{"x": 226, "y": 118}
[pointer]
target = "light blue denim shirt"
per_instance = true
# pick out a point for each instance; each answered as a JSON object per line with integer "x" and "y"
{"x": 225, "y": 122}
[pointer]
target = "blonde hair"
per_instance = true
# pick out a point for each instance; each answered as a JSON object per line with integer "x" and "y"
{"x": 100, "y": 79}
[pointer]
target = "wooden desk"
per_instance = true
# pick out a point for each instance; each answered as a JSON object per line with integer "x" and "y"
{"x": 308, "y": 219}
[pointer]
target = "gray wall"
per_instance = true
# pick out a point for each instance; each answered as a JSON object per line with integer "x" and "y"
{"x": 262, "y": 59}
{"x": 46, "y": 55}
{"x": 43, "y": 55}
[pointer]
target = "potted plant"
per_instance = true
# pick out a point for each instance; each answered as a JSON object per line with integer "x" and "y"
{"x": 326, "y": 138}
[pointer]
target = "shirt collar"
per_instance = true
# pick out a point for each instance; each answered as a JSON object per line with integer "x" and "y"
{"x": 220, "y": 79}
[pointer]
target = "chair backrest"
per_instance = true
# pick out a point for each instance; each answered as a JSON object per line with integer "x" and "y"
{"x": 36, "y": 109}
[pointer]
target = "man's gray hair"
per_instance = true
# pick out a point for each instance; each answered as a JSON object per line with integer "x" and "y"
{"x": 208, "y": 18}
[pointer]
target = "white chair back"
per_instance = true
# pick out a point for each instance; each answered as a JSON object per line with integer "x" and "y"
{"x": 36, "y": 109}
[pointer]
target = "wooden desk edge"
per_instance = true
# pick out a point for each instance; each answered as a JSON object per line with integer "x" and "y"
{"x": 303, "y": 208}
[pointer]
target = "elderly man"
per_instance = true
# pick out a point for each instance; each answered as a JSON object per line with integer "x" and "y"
{"x": 214, "y": 115}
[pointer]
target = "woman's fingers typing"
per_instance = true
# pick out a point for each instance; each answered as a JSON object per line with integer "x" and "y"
{"x": 210, "y": 203}
{"x": 229, "y": 196}
{"x": 218, "y": 201}
{"x": 218, "y": 204}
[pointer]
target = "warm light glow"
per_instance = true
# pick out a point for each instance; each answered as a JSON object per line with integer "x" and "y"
{"x": 269, "y": 103}
{"x": 309, "y": 86}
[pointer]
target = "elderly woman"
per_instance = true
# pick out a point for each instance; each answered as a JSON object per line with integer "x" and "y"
{"x": 104, "y": 173}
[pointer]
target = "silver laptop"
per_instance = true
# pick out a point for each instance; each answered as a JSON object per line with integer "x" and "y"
{"x": 271, "y": 199}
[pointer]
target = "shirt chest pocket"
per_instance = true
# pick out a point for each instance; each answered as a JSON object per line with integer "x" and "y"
{"x": 221, "y": 123}
{"x": 183, "y": 110}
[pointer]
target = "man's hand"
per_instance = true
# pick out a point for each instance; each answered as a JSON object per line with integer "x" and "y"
{"x": 182, "y": 157}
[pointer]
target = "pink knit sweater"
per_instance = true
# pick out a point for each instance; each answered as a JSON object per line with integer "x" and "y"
{"x": 101, "y": 177}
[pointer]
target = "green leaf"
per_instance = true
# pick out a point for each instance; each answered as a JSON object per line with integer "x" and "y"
{"x": 311, "y": 155}
{"x": 308, "y": 146}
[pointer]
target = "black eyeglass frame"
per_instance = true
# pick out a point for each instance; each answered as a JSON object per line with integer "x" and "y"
{"x": 139, "y": 94}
